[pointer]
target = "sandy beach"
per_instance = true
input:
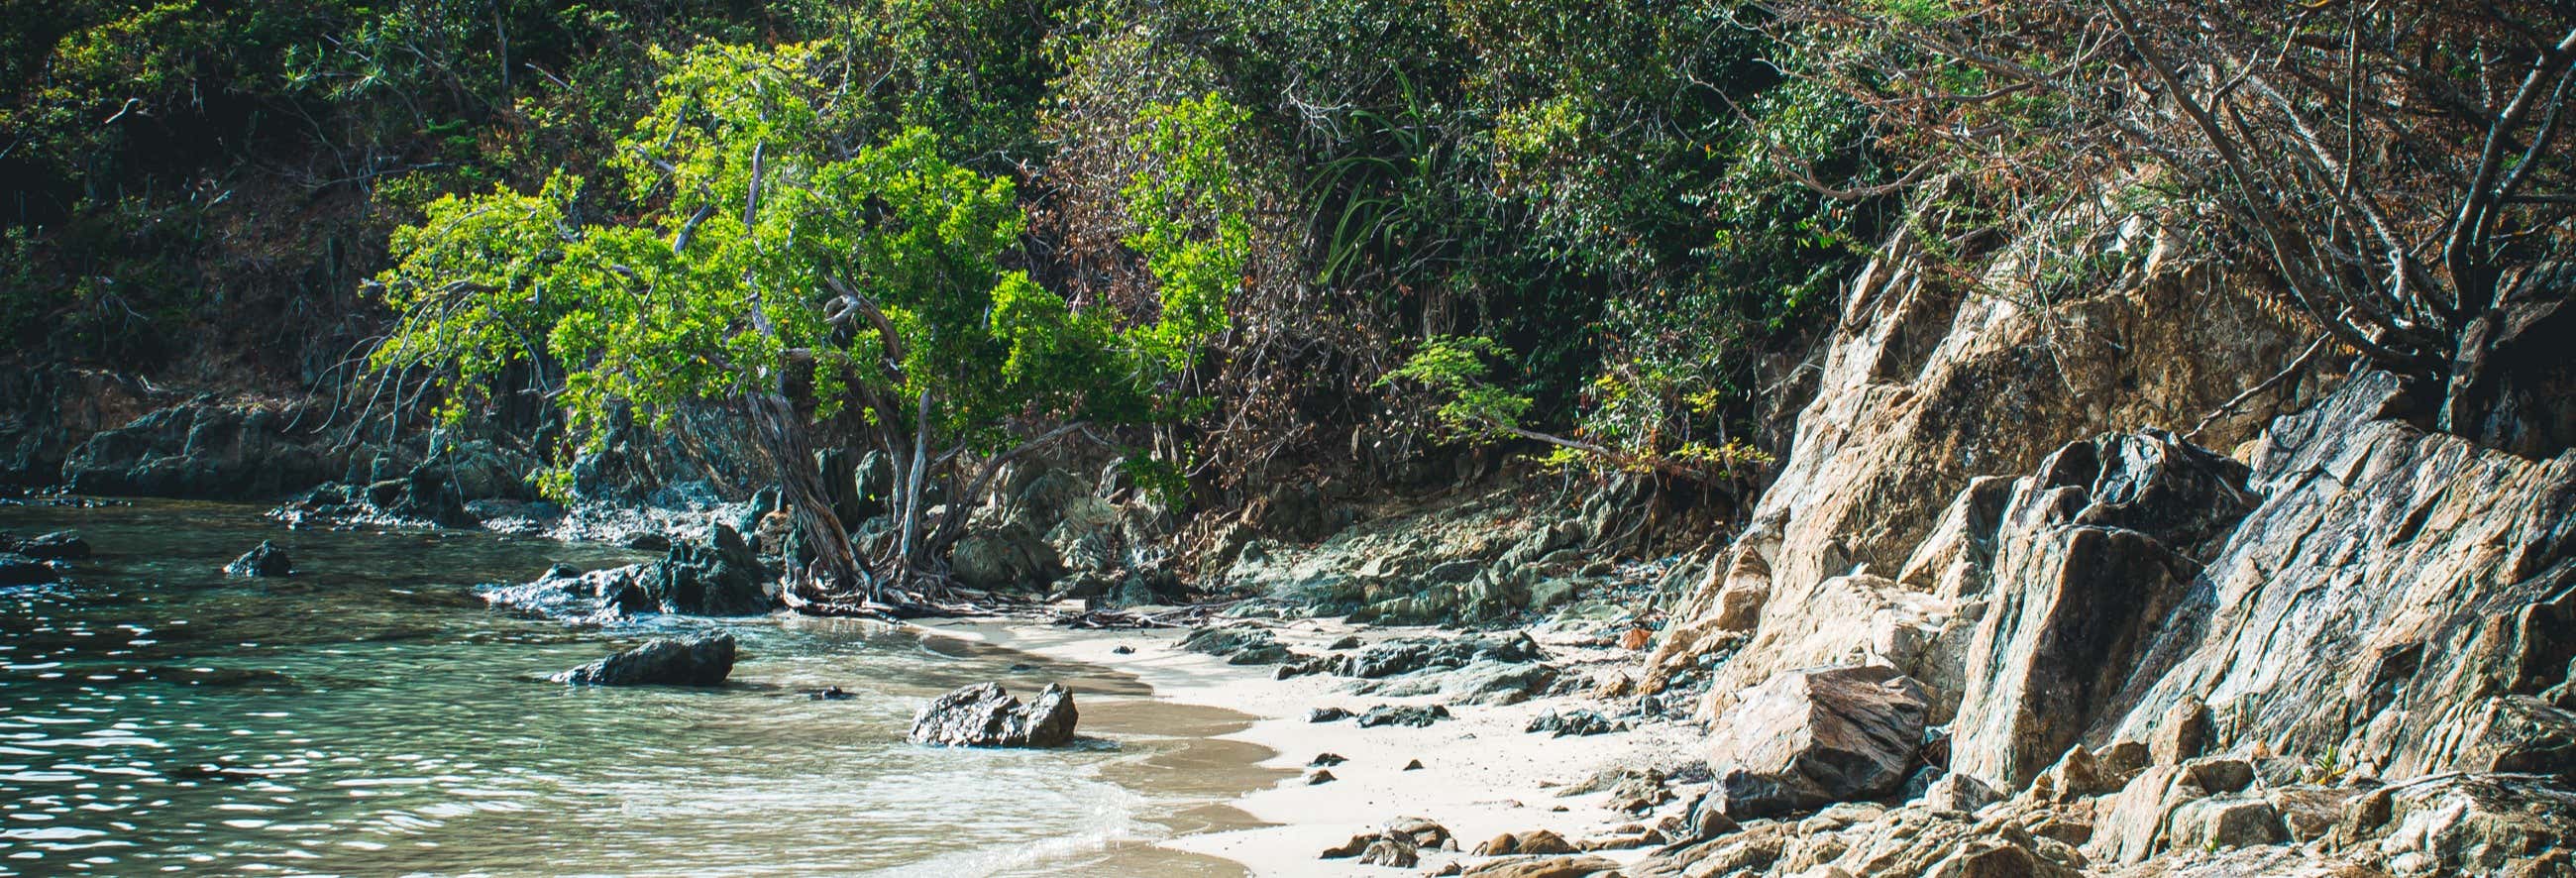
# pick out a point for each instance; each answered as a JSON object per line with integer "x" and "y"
{"x": 1481, "y": 773}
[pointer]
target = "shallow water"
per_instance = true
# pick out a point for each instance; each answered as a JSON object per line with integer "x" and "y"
{"x": 368, "y": 716}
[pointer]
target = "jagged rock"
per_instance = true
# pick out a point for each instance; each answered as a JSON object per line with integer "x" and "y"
{"x": 1958, "y": 792}
{"x": 719, "y": 577}
{"x": 2224, "y": 822}
{"x": 1328, "y": 714}
{"x": 1238, "y": 645}
{"x": 1578, "y": 723}
{"x": 2220, "y": 774}
{"x": 1416, "y": 716}
{"x": 205, "y": 449}
{"x": 1811, "y": 738}
{"x": 696, "y": 660}
{"x": 983, "y": 715}
{"x": 2468, "y": 825}
{"x": 2075, "y": 775}
{"x": 1415, "y": 654}
{"x": 18, "y": 569}
{"x": 2181, "y": 733}
{"x": 1005, "y": 557}
{"x": 1990, "y": 858}
{"x": 1390, "y": 852}
{"x": 565, "y": 594}
{"x": 1421, "y": 833}
{"x": 61, "y": 545}
{"x": 265, "y": 559}
{"x": 1544, "y": 867}
{"x": 2093, "y": 551}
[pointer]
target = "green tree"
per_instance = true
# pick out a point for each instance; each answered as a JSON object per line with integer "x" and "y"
{"x": 765, "y": 274}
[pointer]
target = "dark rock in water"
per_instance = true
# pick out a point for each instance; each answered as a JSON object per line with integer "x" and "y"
{"x": 720, "y": 577}
{"x": 61, "y": 545}
{"x": 1023, "y": 666}
{"x": 1325, "y": 760}
{"x": 983, "y": 715}
{"x": 1327, "y": 714}
{"x": 830, "y": 693}
{"x": 1811, "y": 738}
{"x": 571, "y": 595}
{"x": 1576, "y": 723}
{"x": 1416, "y": 716}
{"x": 1413, "y": 654}
{"x": 21, "y": 570}
{"x": 1125, "y": 650}
{"x": 266, "y": 559}
{"x": 649, "y": 542}
{"x": 696, "y": 660}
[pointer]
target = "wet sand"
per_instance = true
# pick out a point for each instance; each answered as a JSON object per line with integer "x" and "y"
{"x": 1482, "y": 775}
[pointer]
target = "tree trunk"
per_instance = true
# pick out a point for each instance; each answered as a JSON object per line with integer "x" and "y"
{"x": 843, "y": 581}
{"x": 911, "y": 507}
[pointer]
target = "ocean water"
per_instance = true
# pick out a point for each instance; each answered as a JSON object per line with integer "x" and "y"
{"x": 368, "y": 716}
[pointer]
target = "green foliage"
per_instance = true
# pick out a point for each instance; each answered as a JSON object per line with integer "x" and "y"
{"x": 1191, "y": 226}
{"x": 730, "y": 282}
{"x": 1455, "y": 371}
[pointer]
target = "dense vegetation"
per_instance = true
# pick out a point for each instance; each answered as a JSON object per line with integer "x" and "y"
{"x": 1233, "y": 238}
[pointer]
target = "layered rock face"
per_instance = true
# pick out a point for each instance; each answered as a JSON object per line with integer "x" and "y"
{"x": 2347, "y": 644}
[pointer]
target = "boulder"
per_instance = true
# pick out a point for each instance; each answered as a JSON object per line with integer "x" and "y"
{"x": 696, "y": 660}
{"x": 1390, "y": 852}
{"x": 1535, "y": 841}
{"x": 265, "y": 559}
{"x": 1810, "y": 738}
{"x": 1239, "y": 645}
{"x": 983, "y": 715}
{"x": 719, "y": 577}
{"x": 2224, "y": 822}
{"x": 16, "y": 569}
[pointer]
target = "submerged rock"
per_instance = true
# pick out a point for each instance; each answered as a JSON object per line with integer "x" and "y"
{"x": 696, "y": 660}
{"x": 18, "y": 569}
{"x": 265, "y": 559}
{"x": 61, "y": 545}
{"x": 983, "y": 715}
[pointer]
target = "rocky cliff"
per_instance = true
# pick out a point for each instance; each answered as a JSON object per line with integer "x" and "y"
{"x": 2309, "y": 635}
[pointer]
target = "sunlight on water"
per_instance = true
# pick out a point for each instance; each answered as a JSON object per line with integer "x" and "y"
{"x": 368, "y": 716}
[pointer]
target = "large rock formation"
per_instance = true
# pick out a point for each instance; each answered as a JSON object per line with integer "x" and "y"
{"x": 2346, "y": 647}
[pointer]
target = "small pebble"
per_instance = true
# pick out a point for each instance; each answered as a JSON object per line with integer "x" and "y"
{"x": 1319, "y": 776}
{"x": 1413, "y": 765}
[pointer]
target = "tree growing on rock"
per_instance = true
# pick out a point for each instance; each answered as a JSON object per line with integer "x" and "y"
{"x": 771, "y": 266}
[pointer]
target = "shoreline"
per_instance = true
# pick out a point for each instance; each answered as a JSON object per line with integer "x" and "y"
{"x": 1482, "y": 775}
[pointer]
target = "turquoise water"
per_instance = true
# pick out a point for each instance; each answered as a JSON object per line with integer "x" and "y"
{"x": 368, "y": 716}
